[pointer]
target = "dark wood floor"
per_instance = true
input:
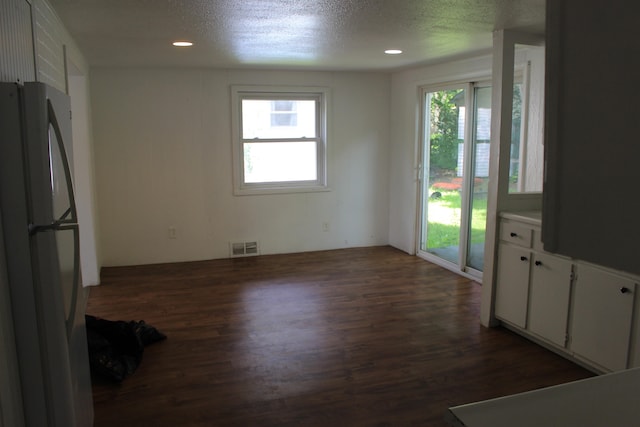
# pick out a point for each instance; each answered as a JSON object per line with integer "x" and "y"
{"x": 355, "y": 337}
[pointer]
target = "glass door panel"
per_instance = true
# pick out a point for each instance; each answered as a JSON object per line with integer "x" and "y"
{"x": 443, "y": 175}
{"x": 479, "y": 183}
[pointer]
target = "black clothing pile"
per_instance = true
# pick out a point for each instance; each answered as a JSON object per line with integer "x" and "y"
{"x": 116, "y": 347}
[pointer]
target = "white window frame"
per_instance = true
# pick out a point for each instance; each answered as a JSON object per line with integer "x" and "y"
{"x": 238, "y": 93}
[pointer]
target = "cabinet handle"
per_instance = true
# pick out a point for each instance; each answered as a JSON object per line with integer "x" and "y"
{"x": 538, "y": 263}
{"x": 625, "y": 290}
{"x": 523, "y": 258}
{"x": 512, "y": 234}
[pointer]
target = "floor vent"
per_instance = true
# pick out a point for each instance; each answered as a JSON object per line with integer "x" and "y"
{"x": 240, "y": 249}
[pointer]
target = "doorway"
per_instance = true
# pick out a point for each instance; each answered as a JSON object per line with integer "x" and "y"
{"x": 454, "y": 174}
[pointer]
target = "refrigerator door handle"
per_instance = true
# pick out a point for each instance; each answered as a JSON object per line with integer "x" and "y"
{"x": 71, "y": 211}
{"x": 76, "y": 276}
{"x": 58, "y": 224}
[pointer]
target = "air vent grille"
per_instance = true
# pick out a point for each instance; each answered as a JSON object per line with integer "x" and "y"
{"x": 242, "y": 249}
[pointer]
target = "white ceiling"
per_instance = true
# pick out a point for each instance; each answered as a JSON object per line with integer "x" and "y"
{"x": 304, "y": 34}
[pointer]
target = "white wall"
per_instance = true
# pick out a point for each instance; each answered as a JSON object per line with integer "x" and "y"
{"x": 163, "y": 159}
{"x": 16, "y": 41}
{"x": 84, "y": 179}
{"x": 54, "y": 47}
{"x": 405, "y": 90}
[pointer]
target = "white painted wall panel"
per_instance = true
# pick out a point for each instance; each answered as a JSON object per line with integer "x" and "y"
{"x": 17, "y": 62}
{"x": 49, "y": 46}
{"x": 84, "y": 179}
{"x": 163, "y": 159}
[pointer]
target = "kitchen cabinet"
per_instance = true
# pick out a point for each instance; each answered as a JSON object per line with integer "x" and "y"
{"x": 549, "y": 298}
{"x": 513, "y": 284}
{"x": 582, "y": 311}
{"x": 533, "y": 287}
{"x": 602, "y": 316}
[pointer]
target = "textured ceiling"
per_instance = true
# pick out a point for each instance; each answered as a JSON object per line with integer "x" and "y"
{"x": 305, "y": 34}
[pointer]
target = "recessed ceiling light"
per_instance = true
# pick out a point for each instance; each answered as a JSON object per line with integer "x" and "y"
{"x": 182, "y": 44}
{"x": 393, "y": 51}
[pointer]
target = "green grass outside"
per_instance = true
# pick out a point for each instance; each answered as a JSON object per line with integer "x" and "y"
{"x": 443, "y": 228}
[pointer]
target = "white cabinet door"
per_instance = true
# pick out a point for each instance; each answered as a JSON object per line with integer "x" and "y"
{"x": 512, "y": 286}
{"x": 601, "y": 319}
{"x": 549, "y": 297}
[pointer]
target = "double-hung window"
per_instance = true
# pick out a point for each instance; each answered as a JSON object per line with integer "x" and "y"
{"x": 279, "y": 139}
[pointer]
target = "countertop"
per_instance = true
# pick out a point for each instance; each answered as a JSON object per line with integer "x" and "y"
{"x": 530, "y": 217}
{"x": 602, "y": 401}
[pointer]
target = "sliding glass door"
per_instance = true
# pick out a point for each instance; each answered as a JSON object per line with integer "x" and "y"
{"x": 453, "y": 175}
{"x": 442, "y": 178}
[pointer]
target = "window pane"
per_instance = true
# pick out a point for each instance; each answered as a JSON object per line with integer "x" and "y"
{"x": 527, "y": 151}
{"x": 277, "y": 119}
{"x": 279, "y": 161}
{"x": 444, "y": 148}
{"x": 479, "y": 186}
{"x": 283, "y": 113}
{"x": 516, "y": 138}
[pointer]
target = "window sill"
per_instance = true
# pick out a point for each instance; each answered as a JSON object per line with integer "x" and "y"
{"x": 279, "y": 190}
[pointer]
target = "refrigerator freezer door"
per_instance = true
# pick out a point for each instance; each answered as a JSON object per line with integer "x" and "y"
{"x": 49, "y": 148}
{"x": 52, "y": 205}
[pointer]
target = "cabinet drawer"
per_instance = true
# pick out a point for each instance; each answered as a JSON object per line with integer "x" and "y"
{"x": 516, "y": 233}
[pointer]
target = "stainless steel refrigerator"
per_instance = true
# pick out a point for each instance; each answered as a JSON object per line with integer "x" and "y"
{"x": 40, "y": 230}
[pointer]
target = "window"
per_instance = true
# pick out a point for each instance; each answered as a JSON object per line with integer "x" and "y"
{"x": 284, "y": 113}
{"x": 279, "y": 139}
{"x": 526, "y": 169}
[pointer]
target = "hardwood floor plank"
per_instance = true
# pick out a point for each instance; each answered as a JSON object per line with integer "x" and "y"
{"x": 353, "y": 337}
